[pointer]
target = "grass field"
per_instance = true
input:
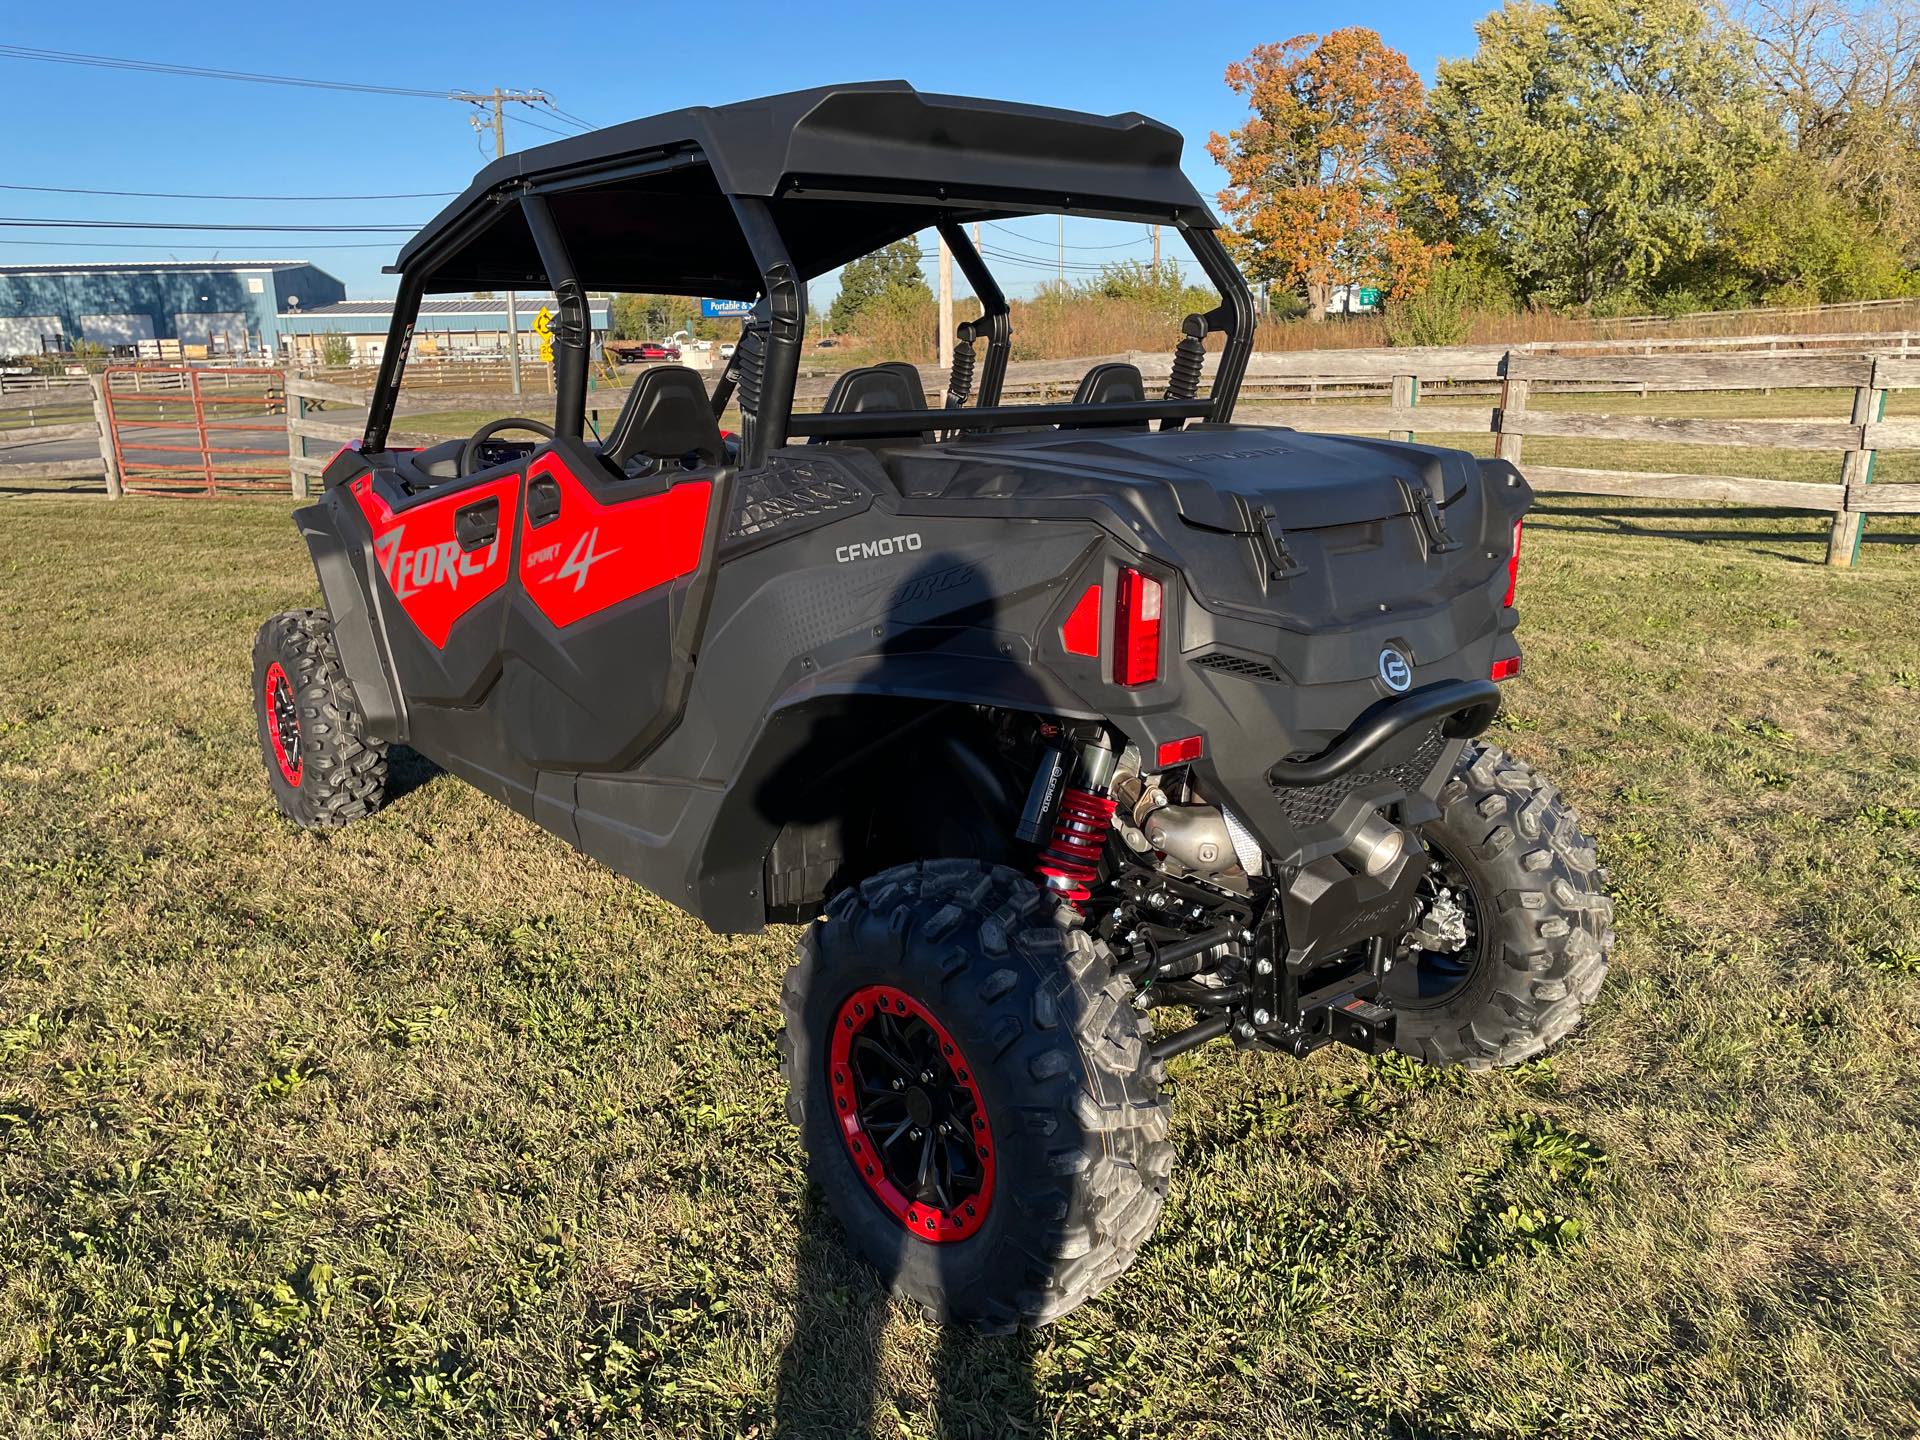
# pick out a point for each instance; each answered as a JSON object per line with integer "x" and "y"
{"x": 436, "y": 1128}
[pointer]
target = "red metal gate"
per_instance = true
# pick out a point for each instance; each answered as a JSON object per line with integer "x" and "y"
{"x": 182, "y": 430}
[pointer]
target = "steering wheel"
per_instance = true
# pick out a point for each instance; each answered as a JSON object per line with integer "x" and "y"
{"x": 470, "y": 452}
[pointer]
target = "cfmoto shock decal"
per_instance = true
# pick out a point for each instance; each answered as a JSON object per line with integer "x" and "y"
{"x": 590, "y": 556}
{"x": 435, "y": 581}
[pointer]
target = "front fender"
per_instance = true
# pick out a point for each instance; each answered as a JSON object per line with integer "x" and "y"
{"x": 358, "y": 631}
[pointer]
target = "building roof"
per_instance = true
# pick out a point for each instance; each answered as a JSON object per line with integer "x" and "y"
{"x": 525, "y": 302}
{"x": 647, "y": 205}
{"x": 108, "y": 267}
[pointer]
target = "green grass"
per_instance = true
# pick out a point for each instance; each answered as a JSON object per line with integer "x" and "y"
{"x": 437, "y": 1128}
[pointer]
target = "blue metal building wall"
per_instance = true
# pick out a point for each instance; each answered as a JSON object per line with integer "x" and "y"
{"x": 160, "y": 295}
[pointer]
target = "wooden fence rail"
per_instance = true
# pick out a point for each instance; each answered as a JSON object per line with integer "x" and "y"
{"x": 1388, "y": 386}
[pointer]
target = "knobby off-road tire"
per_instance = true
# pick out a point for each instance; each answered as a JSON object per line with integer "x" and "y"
{"x": 1034, "y": 1019}
{"x": 323, "y": 770}
{"x": 1544, "y": 919}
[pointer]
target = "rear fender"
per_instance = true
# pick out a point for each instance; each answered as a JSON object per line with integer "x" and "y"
{"x": 358, "y": 629}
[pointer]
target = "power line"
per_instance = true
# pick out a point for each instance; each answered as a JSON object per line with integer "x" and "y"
{"x": 186, "y": 195}
{"x": 563, "y": 134}
{"x": 118, "y": 245}
{"x": 28, "y": 221}
{"x": 205, "y": 72}
{"x": 1030, "y": 240}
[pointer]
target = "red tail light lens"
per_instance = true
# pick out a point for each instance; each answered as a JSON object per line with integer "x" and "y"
{"x": 1513, "y": 567}
{"x": 1136, "y": 629}
{"x": 1179, "y": 752}
{"x": 1506, "y": 669}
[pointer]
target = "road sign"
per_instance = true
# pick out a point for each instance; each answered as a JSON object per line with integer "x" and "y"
{"x": 1369, "y": 297}
{"x": 546, "y": 348}
{"x": 726, "y": 309}
{"x": 543, "y": 322}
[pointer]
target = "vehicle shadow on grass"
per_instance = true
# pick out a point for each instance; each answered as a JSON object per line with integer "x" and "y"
{"x": 832, "y": 1383}
{"x": 835, "y": 1378}
{"x": 407, "y": 771}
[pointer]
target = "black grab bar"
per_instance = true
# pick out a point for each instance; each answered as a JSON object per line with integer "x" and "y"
{"x": 1468, "y": 705}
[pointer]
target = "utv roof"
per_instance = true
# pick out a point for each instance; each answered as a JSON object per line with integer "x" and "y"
{"x": 646, "y": 205}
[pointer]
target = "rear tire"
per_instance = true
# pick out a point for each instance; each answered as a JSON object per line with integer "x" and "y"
{"x": 1039, "y": 1034}
{"x": 323, "y": 770}
{"x": 1544, "y": 922}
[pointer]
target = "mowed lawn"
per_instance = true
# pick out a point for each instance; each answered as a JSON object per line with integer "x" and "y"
{"x": 437, "y": 1128}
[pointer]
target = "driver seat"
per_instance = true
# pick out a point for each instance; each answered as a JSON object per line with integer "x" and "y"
{"x": 666, "y": 417}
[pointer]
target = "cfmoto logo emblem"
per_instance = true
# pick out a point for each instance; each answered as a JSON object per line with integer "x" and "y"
{"x": 1396, "y": 671}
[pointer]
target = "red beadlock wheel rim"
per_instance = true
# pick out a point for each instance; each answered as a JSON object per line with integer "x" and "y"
{"x": 283, "y": 723}
{"x": 910, "y": 1114}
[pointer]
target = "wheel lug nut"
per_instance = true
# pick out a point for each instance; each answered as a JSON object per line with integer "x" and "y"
{"x": 899, "y": 1084}
{"x": 926, "y": 1077}
{"x": 914, "y": 1133}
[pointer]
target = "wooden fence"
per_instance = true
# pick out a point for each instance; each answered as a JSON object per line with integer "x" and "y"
{"x": 1379, "y": 392}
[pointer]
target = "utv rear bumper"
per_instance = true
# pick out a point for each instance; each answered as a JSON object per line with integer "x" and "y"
{"x": 1465, "y": 709}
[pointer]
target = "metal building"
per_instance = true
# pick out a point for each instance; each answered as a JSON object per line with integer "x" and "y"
{"x": 452, "y": 329}
{"x": 188, "y": 309}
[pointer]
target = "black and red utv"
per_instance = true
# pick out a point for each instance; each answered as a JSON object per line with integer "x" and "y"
{"x": 1041, "y": 718}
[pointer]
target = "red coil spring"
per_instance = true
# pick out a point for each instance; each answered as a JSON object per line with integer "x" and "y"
{"x": 1069, "y": 866}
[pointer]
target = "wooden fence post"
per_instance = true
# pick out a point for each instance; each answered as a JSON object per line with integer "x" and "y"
{"x": 1513, "y": 401}
{"x": 1856, "y": 472}
{"x": 1406, "y": 395}
{"x": 104, "y": 421}
{"x": 296, "y": 445}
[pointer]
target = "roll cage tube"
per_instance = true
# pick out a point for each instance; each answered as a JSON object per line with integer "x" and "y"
{"x": 786, "y": 298}
{"x": 1232, "y": 317}
{"x": 570, "y": 336}
{"x": 393, "y": 360}
{"x": 994, "y": 312}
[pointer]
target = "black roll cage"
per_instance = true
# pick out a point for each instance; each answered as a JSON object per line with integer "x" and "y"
{"x": 772, "y": 421}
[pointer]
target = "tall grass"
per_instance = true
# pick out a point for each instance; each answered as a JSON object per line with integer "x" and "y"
{"x": 1054, "y": 327}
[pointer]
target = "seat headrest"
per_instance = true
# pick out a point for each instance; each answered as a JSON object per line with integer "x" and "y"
{"x": 892, "y": 386}
{"x": 1110, "y": 384}
{"x": 667, "y": 416}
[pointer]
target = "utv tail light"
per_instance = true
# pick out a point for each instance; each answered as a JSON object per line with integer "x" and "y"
{"x": 1179, "y": 752}
{"x": 1513, "y": 570}
{"x": 1081, "y": 634}
{"x": 1505, "y": 669}
{"x": 1136, "y": 629}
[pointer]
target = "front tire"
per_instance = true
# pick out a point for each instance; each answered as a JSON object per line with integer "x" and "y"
{"x": 943, "y": 1000}
{"x": 1511, "y": 857}
{"x": 322, "y": 768}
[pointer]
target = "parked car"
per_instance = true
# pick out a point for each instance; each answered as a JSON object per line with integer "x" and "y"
{"x": 726, "y": 350}
{"x": 628, "y": 352}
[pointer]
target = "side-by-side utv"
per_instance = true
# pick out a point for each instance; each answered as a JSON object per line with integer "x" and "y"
{"x": 1040, "y": 717}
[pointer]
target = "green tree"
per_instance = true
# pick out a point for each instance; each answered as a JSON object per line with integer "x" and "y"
{"x": 650, "y": 317}
{"x": 894, "y": 267}
{"x": 1588, "y": 144}
{"x": 336, "y": 352}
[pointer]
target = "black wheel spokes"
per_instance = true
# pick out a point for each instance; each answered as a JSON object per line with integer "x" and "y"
{"x": 934, "y": 1161}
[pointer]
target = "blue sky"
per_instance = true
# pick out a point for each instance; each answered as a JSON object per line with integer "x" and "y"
{"x": 121, "y": 130}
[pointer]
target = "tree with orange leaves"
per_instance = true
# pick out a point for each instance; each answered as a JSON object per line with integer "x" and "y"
{"x": 1334, "y": 122}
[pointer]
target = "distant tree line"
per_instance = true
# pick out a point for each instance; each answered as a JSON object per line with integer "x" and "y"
{"x": 1607, "y": 155}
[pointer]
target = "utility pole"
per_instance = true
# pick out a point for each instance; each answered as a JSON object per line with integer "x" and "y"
{"x": 1156, "y": 250}
{"x": 1063, "y": 249}
{"x": 946, "y": 305}
{"x": 498, "y": 99}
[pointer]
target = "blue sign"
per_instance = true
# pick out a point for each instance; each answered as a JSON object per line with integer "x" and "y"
{"x": 726, "y": 309}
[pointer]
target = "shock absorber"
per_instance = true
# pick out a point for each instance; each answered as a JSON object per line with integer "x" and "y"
{"x": 960, "y": 379}
{"x": 1189, "y": 358}
{"x": 1081, "y": 819}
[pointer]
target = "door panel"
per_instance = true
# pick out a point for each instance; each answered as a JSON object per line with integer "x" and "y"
{"x": 580, "y": 555}
{"x": 445, "y": 559}
{"x": 593, "y": 663}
